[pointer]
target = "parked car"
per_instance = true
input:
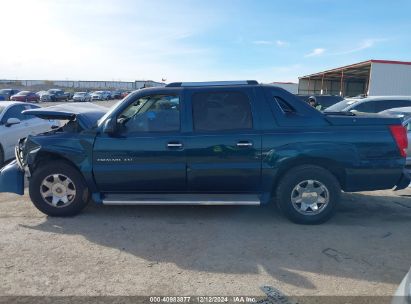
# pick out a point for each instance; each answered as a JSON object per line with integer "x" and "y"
{"x": 324, "y": 100}
{"x": 100, "y": 95}
{"x": 55, "y": 95}
{"x": 7, "y": 93}
{"x": 370, "y": 104}
{"x": 208, "y": 143}
{"x": 81, "y": 96}
{"x": 403, "y": 293}
{"x": 405, "y": 114}
{"x": 69, "y": 95}
{"x": 108, "y": 94}
{"x": 124, "y": 94}
{"x": 14, "y": 125}
{"x": 26, "y": 96}
{"x": 116, "y": 94}
{"x": 46, "y": 97}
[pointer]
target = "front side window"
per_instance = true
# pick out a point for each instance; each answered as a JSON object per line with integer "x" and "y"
{"x": 154, "y": 113}
{"x": 13, "y": 112}
{"x": 221, "y": 111}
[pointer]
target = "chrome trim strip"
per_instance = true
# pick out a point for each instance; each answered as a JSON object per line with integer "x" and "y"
{"x": 193, "y": 203}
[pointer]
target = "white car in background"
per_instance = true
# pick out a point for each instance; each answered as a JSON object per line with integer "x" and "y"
{"x": 81, "y": 96}
{"x": 14, "y": 125}
{"x": 100, "y": 95}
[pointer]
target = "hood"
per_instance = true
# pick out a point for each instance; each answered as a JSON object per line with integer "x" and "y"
{"x": 87, "y": 113}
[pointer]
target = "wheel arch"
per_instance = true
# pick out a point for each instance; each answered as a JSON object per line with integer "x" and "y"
{"x": 46, "y": 156}
{"x": 330, "y": 165}
{"x": 43, "y": 156}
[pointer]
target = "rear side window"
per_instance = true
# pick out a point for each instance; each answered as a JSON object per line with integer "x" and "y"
{"x": 389, "y": 104}
{"x": 221, "y": 111}
{"x": 285, "y": 106}
{"x": 366, "y": 107}
{"x": 29, "y": 107}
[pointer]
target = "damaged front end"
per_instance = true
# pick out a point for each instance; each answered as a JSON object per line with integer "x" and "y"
{"x": 12, "y": 178}
{"x": 12, "y": 175}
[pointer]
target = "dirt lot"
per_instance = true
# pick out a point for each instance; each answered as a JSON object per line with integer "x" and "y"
{"x": 153, "y": 250}
{"x": 141, "y": 250}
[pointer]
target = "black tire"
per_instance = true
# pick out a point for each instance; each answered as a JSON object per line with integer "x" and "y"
{"x": 296, "y": 176}
{"x": 44, "y": 170}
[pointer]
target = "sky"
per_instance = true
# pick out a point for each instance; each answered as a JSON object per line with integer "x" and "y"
{"x": 188, "y": 40}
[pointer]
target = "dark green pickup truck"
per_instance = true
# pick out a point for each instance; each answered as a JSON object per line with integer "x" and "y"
{"x": 207, "y": 143}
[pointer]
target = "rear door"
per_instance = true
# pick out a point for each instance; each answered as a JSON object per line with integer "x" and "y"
{"x": 223, "y": 151}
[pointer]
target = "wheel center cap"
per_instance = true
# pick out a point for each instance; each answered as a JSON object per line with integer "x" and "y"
{"x": 310, "y": 197}
{"x": 59, "y": 190}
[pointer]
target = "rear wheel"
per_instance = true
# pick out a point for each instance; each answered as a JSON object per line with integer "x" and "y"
{"x": 308, "y": 194}
{"x": 58, "y": 189}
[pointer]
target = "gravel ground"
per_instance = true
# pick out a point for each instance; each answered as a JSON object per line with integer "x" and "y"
{"x": 210, "y": 250}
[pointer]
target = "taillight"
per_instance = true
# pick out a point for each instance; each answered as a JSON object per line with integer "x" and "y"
{"x": 400, "y": 135}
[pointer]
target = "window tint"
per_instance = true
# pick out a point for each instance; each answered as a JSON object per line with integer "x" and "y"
{"x": 155, "y": 113}
{"x": 389, "y": 104}
{"x": 13, "y": 112}
{"x": 367, "y": 107}
{"x": 219, "y": 111}
{"x": 285, "y": 106}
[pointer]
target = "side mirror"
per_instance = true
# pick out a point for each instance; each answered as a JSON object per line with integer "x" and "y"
{"x": 12, "y": 121}
{"x": 110, "y": 126}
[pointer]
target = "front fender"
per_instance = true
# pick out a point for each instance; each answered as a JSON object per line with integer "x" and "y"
{"x": 12, "y": 179}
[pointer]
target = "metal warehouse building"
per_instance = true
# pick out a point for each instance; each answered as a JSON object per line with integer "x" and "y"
{"x": 372, "y": 77}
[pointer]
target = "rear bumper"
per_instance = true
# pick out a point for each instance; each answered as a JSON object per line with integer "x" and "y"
{"x": 404, "y": 180}
{"x": 12, "y": 179}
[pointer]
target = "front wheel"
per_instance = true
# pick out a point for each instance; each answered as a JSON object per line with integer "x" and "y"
{"x": 308, "y": 194}
{"x": 58, "y": 189}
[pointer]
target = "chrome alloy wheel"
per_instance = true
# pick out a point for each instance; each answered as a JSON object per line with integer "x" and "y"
{"x": 58, "y": 190}
{"x": 310, "y": 197}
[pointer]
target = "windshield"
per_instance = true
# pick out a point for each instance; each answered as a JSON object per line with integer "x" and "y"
{"x": 80, "y": 94}
{"x": 23, "y": 93}
{"x": 343, "y": 105}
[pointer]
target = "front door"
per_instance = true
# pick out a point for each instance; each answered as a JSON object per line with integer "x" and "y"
{"x": 224, "y": 150}
{"x": 148, "y": 152}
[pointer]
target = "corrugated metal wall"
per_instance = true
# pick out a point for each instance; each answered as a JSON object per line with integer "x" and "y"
{"x": 390, "y": 79}
{"x": 290, "y": 87}
{"x": 331, "y": 87}
{"x": 82, "y": 84}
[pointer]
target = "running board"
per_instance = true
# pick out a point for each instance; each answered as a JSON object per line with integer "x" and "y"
{"x": 181, "y": 199}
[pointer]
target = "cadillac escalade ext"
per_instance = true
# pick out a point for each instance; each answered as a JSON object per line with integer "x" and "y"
{"x": 207, "y": 143}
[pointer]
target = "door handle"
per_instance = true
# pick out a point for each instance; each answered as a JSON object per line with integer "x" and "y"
{"x": 244, "y": 144}
{"x": 172, "y": 145}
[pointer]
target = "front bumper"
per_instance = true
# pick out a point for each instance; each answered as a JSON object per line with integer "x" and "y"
{"x": 404, "y": 180}
{"x": 12, "y": 179}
